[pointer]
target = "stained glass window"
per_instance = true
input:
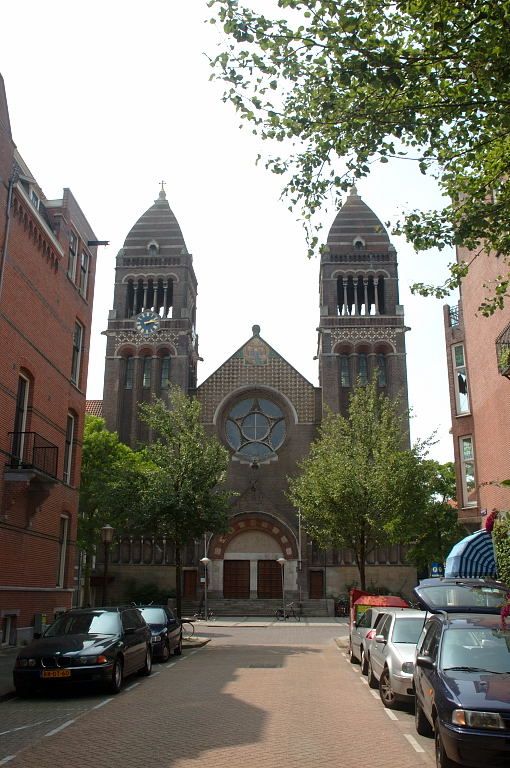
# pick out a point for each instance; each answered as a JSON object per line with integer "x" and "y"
{"x": 255, "y": 428}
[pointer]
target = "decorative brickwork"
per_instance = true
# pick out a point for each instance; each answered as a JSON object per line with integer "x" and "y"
{"x": 278, "y": 531}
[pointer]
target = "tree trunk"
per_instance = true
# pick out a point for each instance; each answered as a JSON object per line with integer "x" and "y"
{"x": 178, "y": 579}
{"x": 361, "y": 564}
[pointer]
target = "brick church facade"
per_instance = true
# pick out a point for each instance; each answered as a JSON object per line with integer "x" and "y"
{"x": 262, "y": 409}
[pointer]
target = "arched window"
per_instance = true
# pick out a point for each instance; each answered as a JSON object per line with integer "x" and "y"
{"x": 146, "y": 378}
{"x": 255, "y": 428}
{"x": 381, "y": 370}
{"x": 164, "y": 371}
{"x": 129, "y": 372}
{"x": 363, "y": 368}
{"x": 345, "y": 376}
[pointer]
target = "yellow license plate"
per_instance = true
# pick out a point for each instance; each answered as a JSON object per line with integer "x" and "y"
{"x": 56, "y": 673}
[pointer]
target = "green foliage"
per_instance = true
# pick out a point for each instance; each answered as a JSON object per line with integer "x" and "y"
{"x": 436, "y": 529}
{"x": 358, "y": 487}
{"x": 347, "y": 84}
{"x": 183, "y": 493}
{"x": 111, "y": 487}
{"x": 501, "y": 538}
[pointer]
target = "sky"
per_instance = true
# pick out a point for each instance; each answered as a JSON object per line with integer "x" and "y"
{"x": 110, "y": 98}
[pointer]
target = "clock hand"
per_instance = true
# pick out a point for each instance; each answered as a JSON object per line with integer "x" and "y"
{"x": 154, "y": 320}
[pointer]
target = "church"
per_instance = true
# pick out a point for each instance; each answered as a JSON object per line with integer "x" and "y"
{"x": 257, "y": 404}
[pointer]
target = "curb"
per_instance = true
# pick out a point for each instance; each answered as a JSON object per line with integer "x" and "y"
{"x": 342, "y": 642}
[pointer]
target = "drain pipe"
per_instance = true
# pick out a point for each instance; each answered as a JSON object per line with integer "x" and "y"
{"x": 12, "y": 182}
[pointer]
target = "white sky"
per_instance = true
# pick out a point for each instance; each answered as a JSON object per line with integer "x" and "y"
{"x": 108, "y": 98}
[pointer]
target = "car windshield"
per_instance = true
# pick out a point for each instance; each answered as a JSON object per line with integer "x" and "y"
{"x": 93, "y": 623}
{"x": 154, "y": 615}
{"x": 407, "y": 630}
{"x": 455, "y": 596}
{"x": 477, "y": 648}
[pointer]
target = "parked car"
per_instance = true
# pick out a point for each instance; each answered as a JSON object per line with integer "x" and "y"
{"x": 166, "y": 630}
{"x": 391, "y": 654}
{"x": 93, "y": 645}
{"x": 462, "y": 673}
{"x": 365, "y": 611}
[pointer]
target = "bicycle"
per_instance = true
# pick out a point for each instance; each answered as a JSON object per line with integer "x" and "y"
{"x": 289, "y": 613}
{"x": 188, "y": 628}
{"x": 201, "y": 616}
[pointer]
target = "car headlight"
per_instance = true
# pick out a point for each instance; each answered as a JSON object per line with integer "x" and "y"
{"x": 471, "y": 719}
{"x": 407, "y": 667}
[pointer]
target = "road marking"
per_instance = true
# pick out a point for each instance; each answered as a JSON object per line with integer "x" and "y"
{"x": 169, "y": 666}
{"x": 23, "y": 727}
{"x": 374, "y": 694}
{"x": 155, "y": 674}
{"x": 7, "y": 759}
{"x": 60, "y": 728}
{"x": 364, "y": 680}
{"x": 391, "y": 714}
{"x": 130, "y": 687}
{"x": 102, "y": 703}
{"x": 412, "y": 741}
{"x": 192, "y": 652}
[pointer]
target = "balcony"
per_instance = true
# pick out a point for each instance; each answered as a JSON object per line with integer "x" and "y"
{"x": 32, "y": 457}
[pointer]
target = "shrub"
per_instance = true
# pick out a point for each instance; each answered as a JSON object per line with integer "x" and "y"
{"x": 501, "y": 538}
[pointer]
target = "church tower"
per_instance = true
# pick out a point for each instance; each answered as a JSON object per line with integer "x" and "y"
{"x": 361, "y": 331}
{"x": 151, "y": 341}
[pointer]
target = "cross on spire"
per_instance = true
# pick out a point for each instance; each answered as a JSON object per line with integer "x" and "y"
{"x": 162, "y": 193}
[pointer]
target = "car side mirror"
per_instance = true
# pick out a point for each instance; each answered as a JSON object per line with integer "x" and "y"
{"x": 380, "y": 639}
{"x": 426, "y": 662}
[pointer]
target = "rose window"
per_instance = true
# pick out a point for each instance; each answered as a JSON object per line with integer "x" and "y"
{"x": 255, "y": 428}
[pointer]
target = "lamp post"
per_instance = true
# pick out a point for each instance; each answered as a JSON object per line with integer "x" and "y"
{"x": 282, "y": 561}
{"x": 205, "y": 562}
{"x": 106, "y": 537}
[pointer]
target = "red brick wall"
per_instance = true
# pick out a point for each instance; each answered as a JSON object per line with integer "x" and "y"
{"x": 490, "y": 392}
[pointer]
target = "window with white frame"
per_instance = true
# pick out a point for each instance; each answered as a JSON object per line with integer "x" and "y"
{"x": 68, "y": 452}
{"x": 460, "y": 379}
{"x": 77, "y": 353}
{"x": 84, "y": 274}
{"x": 20, "y": 417}
{"x": 73, "y": 256}
{"x": 62, "y": 552}
{"x": 467, "y": 463}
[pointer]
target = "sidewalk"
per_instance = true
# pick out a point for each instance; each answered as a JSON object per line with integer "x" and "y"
{"x": 7, "y": 658}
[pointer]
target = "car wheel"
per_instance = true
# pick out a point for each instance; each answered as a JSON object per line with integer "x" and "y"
{"x": 442, "y": 759}
{"x": 386, "y": 692}
{"x": 421, "y": 723}
{"x": 178, "y": 647}
{"x": 364, "y": 662}
{"x": 147, "y": 667}
{"x": 372, "y": 680}
{"x": 117, "y": 677}
{"x": 352, "y": 657}
{"x": 166, "y": 651}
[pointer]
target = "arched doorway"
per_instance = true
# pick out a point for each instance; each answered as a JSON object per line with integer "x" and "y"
{"x": 244, "y": 562}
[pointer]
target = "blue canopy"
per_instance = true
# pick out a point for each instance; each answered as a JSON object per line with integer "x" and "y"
{"x": 472, "y": 557}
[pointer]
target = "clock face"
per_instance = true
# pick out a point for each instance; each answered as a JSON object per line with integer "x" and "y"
{"x": 148, "y": 322}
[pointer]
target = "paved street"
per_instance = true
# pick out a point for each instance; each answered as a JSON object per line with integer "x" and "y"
{"x": 259, "y": 693}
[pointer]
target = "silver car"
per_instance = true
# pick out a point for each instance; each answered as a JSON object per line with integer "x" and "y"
{"x": 392, "y": 651}
{"x": 358, "y": 636}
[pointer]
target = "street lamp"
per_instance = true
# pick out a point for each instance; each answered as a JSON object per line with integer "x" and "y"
{"x": 282, "y": 561}
{"x": 205, "y": 562}
{"x": 106, "y": 537}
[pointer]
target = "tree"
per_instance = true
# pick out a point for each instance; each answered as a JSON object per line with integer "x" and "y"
{"x": 112, "y": 480}
{"x": 436, "y": 528}
{"x": 348, "y": 83}
{"x": 359, "y": 488}
{"x": 184, "y": 494}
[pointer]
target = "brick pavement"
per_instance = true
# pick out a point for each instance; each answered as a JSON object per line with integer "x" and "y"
{"x": 284, "y": 704}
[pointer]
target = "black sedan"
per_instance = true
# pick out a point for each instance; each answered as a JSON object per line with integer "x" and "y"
{"x": 462, "y": 673}
{"x": 101, "y": 645}
{"x": 166, "y": 630}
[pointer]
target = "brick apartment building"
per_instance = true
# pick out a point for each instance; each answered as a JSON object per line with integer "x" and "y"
{"x": 258, "y": 404}
{"x": 478, "y": 355}
{"x": 47, "y": 268}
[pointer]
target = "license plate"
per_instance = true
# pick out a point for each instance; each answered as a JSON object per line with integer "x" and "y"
{"x": 155, "y": 639}
{"x": 56, "y": 673}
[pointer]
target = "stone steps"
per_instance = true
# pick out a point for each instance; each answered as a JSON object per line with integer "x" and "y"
{"x": 223, "y": 607}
